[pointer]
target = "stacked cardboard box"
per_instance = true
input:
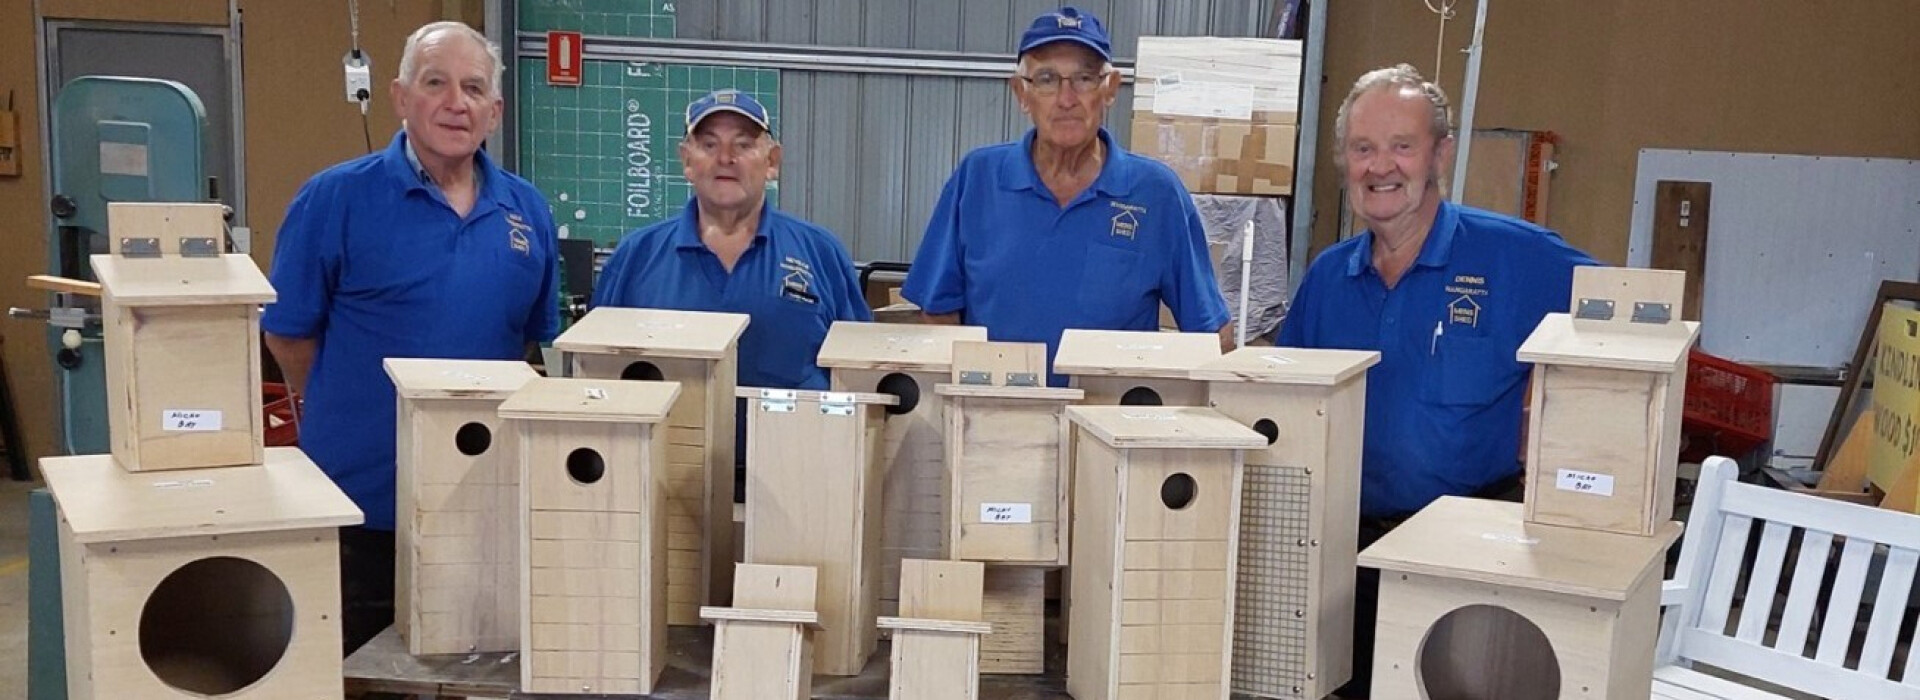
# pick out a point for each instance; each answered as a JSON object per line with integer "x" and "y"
{"x": 1222, "y": 112}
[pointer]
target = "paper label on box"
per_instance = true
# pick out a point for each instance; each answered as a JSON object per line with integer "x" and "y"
{"x": 1191, "y": 98}
{"x": 1006, "y": 513}
{"x": 1585, "y": 482}
{"x": 182, "y": 420}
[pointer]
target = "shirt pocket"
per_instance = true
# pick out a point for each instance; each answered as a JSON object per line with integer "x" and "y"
{"x": 1107, "y": 294}
{"x": 1469, "y": 371}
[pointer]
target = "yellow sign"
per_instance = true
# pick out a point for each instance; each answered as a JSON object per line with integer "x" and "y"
{"x": 1896, "y": 397}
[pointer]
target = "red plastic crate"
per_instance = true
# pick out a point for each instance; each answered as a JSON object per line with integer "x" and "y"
{"x": 277, "y": 409}
{"x": 1729, "y": 407}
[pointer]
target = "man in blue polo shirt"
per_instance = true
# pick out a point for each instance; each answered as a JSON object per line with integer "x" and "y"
{"x": 1064, "y": 228}
{"x": 426, "y": 249}
{"x": 1446, "y": 293}
{"x": 730, "y": 250}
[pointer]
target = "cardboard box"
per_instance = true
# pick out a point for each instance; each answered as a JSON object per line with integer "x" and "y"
{"x": 1220, "y": 111}
{"x": 1214, "y": 156}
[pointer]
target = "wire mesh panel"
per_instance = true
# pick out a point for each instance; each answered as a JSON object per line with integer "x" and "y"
{"x": 1270, "y": 596}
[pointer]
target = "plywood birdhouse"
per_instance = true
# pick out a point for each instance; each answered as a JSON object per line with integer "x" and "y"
{"x": 1609, "y": 382}
{"x": 217, "y": 582}
{"x": 763, "y": 645}
{"x": 936, "y": 638}
{"x": 457, "y": 534}
{"x": 699, "y": 350}
{"x": 813, "y": 497}
{"x": 906, "y": 360}
{"x": 182, "y": 340}
{"x": 1155, "y": 535}
{"x": 1009, "y": 463}
{"x": 594, "y": 542}
{"x": 1143, "y": 368}
{"x": 1293, "y": 604}
{"x": 1475, "y": 602}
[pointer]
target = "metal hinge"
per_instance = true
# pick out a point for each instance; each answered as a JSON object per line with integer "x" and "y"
{"x": 140, "y": 247}
{"x": 199, "y": 248}
{"x": 1595, "y": 310}
{"x": 778, "y": 400}
{"x": 836, "y": 404}
{"x": 1650, "y": 312}
{"x": 971, "y": 377}
{"x": 1023, "y": 379}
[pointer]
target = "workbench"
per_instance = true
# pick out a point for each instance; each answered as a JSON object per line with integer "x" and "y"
{"x": 384, "y": 665}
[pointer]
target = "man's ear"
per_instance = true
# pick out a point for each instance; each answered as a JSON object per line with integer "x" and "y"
{"x": 773, "y": 160}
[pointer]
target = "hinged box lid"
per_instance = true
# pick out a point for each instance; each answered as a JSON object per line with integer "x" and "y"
{"x": 1621, "y": 318}
{"x": 611, "y": 330}
{"x": 423, "y": 378}
{"x": 905, "y": 347}
{"x": 104, "y": 503}
{"x": 1164, "y": 427}
{"x": 1275, "y": 365}
{"x": 152, "y": 229}
{"x": 174, "y": 281}
{"x": 1489, "y": 542}
{"x": 591, "y": 400}
{"x": 1149, "y": 354}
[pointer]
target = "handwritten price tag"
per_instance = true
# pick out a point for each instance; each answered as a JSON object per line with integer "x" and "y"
{"x": 1584, "y": 482}
{"x": 1006, "y": 513}
{"x": 190, "y": 421}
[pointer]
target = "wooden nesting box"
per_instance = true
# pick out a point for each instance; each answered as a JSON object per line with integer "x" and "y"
{"x": 1144, "y": 368}
{"x": 593, "y": 538}
{"x": 1609, "y": 382}
{"x": 1300, "y": 496}
{"x": 698, "y": 350}
{"x": 1007, "y": 453}
{"x": 1477, "y": 603}
{"x": 936, "y": 639}
{"x": 906, "y": 360}
{"x": 457, "y": 535}
{"x": 813, "y": 494}
{"x": 763, "y": 646}
{"x": 205, "y": 582}
{"x": 1155, "y": 531}
{"x": 182, "y": 343}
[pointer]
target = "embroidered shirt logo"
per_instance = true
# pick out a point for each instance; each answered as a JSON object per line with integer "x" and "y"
{"x": 797, "y": 283}
{"x": 1127, "y": 222}
{"x": 1468, "y": 292}
{"x": 517, "y": 230}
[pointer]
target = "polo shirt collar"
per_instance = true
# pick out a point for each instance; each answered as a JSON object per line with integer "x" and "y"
{"x": 1116, "y": 176}
{"x": 686, "y": 234}
{"x": 1436, "y": 251}
{"x": 404, "y": 164}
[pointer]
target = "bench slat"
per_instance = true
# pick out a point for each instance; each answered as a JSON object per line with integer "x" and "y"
{"x": 1876, "y": 654}
{"x": 1780, "y": 668}
{"x": 1843, "y": 609}
{"x": 1726, "y": 573}
{"x": 1691, "y": 684}
{"x": 1764, "y": 582}
{"x": 1797, "y": 621}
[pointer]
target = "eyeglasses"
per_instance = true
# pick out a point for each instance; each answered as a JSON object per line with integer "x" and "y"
{"x": 1049, "y": 82}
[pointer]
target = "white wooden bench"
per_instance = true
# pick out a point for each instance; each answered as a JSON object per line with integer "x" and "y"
{"x": 1707, "y": 624}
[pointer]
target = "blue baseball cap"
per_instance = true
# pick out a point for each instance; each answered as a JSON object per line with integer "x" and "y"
{"x": 727, "y": 100}
{"x": 1068, "y": 24}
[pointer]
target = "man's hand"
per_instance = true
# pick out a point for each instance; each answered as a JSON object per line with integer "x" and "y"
{"x": 1226, "y": 338}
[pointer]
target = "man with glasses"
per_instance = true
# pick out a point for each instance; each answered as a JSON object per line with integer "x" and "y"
{"x": 1064, "y": 228}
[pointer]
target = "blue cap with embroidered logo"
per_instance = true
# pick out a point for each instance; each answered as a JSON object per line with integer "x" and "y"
{"x": 1068, "y": 24}
{"x": 728, "y": 100}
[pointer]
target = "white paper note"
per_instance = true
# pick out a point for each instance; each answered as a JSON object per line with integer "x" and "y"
{"x": 1585, "y": 482}
{"x": 190, "y": 420}
{"x": 1006, "y": 513}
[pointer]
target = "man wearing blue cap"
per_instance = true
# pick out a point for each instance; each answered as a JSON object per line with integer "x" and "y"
{"x": 1064, "y": 228}
{"x": 729, "y": 250}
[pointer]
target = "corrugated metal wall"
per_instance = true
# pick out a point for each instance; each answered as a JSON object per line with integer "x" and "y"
{"x": 866, "y": 155}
